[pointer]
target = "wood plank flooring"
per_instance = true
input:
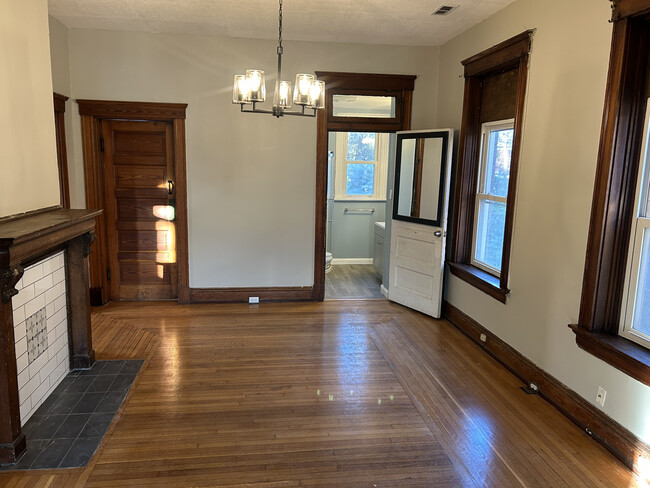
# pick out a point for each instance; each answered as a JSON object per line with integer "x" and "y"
{"x": 352, "y": 281}
{"x": 339, "y": 394}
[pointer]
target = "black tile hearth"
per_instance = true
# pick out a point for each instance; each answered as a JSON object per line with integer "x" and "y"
{"x": 68, "y": 427}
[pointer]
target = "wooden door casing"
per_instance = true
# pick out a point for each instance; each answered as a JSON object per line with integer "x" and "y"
{"x": 139, "y": 175}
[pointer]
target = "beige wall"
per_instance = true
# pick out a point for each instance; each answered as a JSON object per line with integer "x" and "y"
{"x": 251, "y": 178}
{"x": 61, "y": 84}
{"x": 564, "y": 105}
{"x": 28, "y": 163}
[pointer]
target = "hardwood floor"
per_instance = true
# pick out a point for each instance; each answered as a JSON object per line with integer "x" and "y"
{"x": 340, "y": 394}
{"x": 352, "y": 281}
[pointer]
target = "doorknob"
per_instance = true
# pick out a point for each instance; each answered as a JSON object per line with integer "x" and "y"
{"x": 437, "y": 233}
{"x": 170, "y": 187}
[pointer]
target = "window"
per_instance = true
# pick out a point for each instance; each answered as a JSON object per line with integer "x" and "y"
{"x": 361, "y": 166}
{"x": 492, "y": 194}
{"x": 363, "y": 106}
{"x": 635, "y": 323}
{"x": 614, "y": 287}
{"x": 486, "y": 176}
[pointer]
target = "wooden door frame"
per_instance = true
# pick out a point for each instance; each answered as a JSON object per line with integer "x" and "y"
{"x": 398, "y": 86}
{"x": 61, "y": 150}
{"x": 92, "y": 113}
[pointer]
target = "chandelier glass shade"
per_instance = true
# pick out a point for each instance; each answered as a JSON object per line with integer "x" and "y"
{"x": 250, "y": 89}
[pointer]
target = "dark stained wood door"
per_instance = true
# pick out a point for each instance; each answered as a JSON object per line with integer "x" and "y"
{"x": 140, "y": 199}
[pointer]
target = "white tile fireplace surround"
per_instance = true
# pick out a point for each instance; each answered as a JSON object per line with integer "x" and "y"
{"x": 41, "y": 332}
{"x": 44, "y": 311}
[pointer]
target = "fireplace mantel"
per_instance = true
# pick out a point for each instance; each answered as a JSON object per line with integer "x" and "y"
{"x": 24, "y": 239}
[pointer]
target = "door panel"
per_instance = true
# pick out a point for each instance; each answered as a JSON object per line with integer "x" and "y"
{"x": 416, "y": 267}
{"x": 138, "y": 163}
{"x": 417, "y": 241}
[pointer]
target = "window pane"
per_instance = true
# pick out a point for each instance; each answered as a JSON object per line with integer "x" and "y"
{"x": 361, "y": 146}
{"x": 363, "y": 106}
{"x": 497, "y": 171}
{"x": 360, "y": 179}
{"x": 489, "y": 233}
{"x": 641, "y": 320}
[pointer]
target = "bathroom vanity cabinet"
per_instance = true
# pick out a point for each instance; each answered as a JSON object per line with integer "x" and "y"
{"x": 378, "y": 247}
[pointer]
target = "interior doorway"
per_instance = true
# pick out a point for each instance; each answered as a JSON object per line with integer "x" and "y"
{"x": 134, "y": 162}
{"x": 365, "y": 105}
{"x": 358, "y": 166}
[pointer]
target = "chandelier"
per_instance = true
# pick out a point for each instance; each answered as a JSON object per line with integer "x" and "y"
{"x": 250, "y": 89}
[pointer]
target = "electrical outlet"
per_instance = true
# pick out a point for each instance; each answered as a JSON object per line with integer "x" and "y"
{"x": 253, "y": 299}
{"x": 600, "y": 396}
{"x": 483, "y": 338}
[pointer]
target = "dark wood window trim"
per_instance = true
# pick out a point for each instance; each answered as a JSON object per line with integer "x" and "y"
{"x": 61, "y": 150}
{"x": 612, "y": 211}
{"x": 511, "y": 54}
{"x": 398, "y": 86}
{"x": 92, "y": 112}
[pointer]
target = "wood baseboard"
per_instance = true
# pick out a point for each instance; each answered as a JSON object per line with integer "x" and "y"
{"x": 613, "y": 436}
{"x": 265, "y": 294}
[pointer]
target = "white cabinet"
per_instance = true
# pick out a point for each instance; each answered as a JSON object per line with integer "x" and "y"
{"x": 378, "y": 247}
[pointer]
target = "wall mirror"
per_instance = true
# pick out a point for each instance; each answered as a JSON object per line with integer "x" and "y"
{"x": 420, "y": 179}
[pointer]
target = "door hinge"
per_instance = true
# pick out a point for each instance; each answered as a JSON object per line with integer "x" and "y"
{"x": 108, "y": 274}
{"x": 101, "y": 143}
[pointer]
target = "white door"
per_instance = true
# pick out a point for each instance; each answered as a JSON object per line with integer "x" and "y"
{"x": 419, "y": 224}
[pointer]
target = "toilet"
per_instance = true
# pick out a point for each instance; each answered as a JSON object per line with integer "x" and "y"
{"x": 328, "y": 261}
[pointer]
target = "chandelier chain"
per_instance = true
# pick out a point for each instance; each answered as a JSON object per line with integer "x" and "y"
{"x": 280, "y": 27}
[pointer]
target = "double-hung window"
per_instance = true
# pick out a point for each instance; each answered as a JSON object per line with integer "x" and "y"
{"x": 361, "y": 165}
{"x": 614, "y": 319}
{"x": 635, "y": 323}
{"x": 492, "y": 195}
{"x": 488, "y": 159}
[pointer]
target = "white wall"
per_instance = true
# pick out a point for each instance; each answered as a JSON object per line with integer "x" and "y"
{"x": 61, "y": 84}
{"x": 564, "y": 106}
{"x": 28, "y": 163}
{"x": 251, "y": 178}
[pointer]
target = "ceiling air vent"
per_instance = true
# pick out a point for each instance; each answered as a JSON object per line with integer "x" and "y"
{"x": 444, "y": 9}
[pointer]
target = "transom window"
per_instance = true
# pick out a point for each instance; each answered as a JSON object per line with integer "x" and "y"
{"x": 635, "y": 323}
{"x": 492, "y": 195}
{"x": 361, "y": 166}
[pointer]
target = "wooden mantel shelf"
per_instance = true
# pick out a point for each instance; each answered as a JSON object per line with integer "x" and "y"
{"x": 24, "y": 239}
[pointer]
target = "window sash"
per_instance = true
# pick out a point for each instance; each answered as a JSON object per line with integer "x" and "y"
{"x": 636, "y": 279}
{"x": 640, "y": 231}
{"x": 342, "y": 163}
{"x": 481, "y": 196}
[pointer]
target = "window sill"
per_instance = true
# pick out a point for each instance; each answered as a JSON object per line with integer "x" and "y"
{"x": 627, "y": 356}
{"x": 480, "y": 279}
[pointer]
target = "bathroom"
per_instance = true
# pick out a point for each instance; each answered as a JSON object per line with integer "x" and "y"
{"x": 358, "y": 205}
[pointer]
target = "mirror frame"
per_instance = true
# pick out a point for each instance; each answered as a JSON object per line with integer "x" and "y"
{"x": 427, "y": 134}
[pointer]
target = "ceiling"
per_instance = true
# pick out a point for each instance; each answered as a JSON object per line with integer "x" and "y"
{"x": 349, "y": 21}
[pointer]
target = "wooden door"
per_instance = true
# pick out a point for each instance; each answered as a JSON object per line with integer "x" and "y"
{"x": 417, "y": 249}
{"x": 140, "y": 199}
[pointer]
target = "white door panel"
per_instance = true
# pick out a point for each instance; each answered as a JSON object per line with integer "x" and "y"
{"x": 416, "y": 267}
{"x": 417, "y": 249}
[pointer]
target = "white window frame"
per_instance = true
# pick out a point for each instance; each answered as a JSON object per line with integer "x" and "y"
{"x": 641, "y": 225}
{"x": 380, "y": 162}
{"x": 486, "y": 129}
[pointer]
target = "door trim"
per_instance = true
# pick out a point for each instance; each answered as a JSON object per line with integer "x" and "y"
{"x": 92, "y": 112}
{"x": 399, "y": 86}
{"x": 61, "y": 150}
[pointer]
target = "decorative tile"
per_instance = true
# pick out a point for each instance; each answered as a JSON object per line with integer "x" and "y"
{"x": 36, "y": 335}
